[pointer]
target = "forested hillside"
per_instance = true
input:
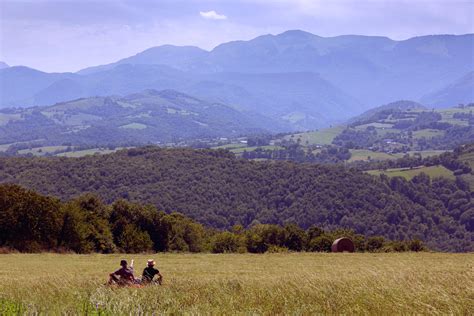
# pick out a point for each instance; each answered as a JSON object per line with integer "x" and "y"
{"x": 32, "y": 223}
{"x": 146, "y": 117}
{"x": 219, "y": 190}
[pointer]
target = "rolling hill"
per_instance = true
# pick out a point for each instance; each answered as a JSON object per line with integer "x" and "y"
{"x": 296, "y": 100}
{"x": 399, "y": 127}
{"x": 402, "y": 105}
{"x": 147, "y": 117}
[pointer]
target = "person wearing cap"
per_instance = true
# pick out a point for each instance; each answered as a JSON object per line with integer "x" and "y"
{"x": 149, "y": 273}
{"x": 124, "y": 275}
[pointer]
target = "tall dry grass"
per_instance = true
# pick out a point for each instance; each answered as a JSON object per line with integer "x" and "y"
{"x": 296, "y": 283}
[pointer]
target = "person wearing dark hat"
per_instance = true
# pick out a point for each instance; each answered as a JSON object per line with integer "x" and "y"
{"x": 149, "y": 273}
{"x": 124, "y": 275}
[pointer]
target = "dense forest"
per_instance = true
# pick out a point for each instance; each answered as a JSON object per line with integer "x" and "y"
{"x": 31, "y": 223}
{"x": 219, "y": 190}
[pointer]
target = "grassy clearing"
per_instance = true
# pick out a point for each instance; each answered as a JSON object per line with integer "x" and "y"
{"x": 377, "y": 125}
{"x": 4, "y": 147}
{"x": 6, "y": 118}
{"x": 427, "y": 133}
{"x": 324, "y": 136}
{"x": 134, "y": 126}
{"x": 88, "y": 152}
{"x": 40, "y": 151}
{"x": 294, "y": 117}
{"x": 240, "y": 150}
{"x": 433, "y": 172}
{"x": 230, "y": 146}
{"x": 447, "y": 115}
{"x": 363, "y": 155}
{"x": 304, "y": 283}
{"x": 428, "y": 153}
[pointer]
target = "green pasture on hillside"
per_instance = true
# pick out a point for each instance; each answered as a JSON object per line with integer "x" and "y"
{"x": 324, "y": 136}
{"x": 407, "y": 173}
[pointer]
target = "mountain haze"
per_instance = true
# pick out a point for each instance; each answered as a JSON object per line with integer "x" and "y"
{"x": 460, "y": 91}
{"x": 299, "y": 79}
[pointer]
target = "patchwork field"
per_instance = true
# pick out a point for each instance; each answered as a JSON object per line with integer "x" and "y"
{"x": 427, "y": 133}
{"x": 324, "y": 136}
{"x": 428, "y": 153}
{"x": 304, "y": 283}
{"x": 447, "y": 115}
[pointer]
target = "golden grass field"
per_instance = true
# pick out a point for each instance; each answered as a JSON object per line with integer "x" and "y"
{"x": 291, "y": 283}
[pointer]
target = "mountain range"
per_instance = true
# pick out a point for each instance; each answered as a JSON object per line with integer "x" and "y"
{"x": 296, "y": 79}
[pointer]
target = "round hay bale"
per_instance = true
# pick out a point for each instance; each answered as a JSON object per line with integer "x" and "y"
{"x": 343, "y": 244}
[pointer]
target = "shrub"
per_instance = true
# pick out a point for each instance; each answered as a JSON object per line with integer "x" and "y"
{"x": 134, "y": 240}
{"x": 375, "y": 243}
{"x": 277, "y": 249}
{"x": 295, "y": 237}
{"x": 416, "y": 245}
{"x": 320, "y": 244}
{"x": 226, "y": 242}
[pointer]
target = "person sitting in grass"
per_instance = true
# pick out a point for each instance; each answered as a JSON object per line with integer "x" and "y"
{"x": 124, "y": 275}
{"x": 149, "y": 273}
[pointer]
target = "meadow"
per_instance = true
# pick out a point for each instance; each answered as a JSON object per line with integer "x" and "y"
{"x": 324, "y": 136}
{"x": 290, "y": 283}
{"x": 407, "y": 173}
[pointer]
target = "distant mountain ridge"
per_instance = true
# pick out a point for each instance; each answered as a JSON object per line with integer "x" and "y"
{"x": 302, "y": 80}
{"x": 174, "y": 56}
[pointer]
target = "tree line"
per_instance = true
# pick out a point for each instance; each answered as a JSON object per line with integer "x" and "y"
{"x": 32, "y": 223}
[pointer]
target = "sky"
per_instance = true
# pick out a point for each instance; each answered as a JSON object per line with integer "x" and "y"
{"x": 69, "y": 35}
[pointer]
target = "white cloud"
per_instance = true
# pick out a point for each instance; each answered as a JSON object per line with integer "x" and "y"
{"x": 212, "y": 15}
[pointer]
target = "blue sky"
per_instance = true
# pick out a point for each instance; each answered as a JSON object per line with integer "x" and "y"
{"x": 68, "y": 35}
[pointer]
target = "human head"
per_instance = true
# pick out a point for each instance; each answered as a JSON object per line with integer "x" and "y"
{"x": 151, "y": 262}
{"x": 123, "y": 263}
